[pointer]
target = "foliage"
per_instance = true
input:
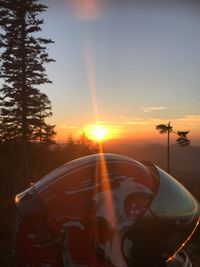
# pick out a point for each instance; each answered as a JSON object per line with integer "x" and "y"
{"x": 23, "y": 107}
{"x": 164, "y": 128}
{"x": 182, "y": 139}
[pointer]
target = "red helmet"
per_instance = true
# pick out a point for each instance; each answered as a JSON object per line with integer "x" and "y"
{"x": 103, "y": 210}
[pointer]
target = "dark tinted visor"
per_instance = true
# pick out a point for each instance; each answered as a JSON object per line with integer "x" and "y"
{"x": 168, "y": 223}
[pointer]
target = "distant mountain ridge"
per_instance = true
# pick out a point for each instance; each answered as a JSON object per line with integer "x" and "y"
{"x": 181, "y": 158}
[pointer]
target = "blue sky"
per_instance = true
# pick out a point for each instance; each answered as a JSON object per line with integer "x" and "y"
{"x": 127, "y": 64}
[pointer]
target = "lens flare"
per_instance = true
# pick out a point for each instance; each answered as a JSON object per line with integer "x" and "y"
{"x": 99, "y": 132}
{"x": 86, "y": 9}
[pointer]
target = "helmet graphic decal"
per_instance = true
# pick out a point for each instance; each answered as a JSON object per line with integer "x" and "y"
{"x": 127, "y": 202}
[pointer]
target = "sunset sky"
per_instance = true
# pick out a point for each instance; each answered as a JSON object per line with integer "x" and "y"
{"x": 127, "y": 65}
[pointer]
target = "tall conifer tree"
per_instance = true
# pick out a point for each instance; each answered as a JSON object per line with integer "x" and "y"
{"x": 24, "y": 107}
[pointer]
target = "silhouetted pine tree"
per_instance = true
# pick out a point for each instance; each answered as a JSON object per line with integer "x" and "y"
{"x": 23, "y": 107}
{"x": 182, "y": 139}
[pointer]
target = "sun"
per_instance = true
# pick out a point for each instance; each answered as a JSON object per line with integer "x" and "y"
{"x": 97, "y": 132}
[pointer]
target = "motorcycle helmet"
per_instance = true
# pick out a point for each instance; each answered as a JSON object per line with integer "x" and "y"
{"x": 104, "y": 210}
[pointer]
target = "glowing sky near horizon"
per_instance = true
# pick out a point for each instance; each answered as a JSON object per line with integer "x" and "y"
{"x": 124, "y": 65}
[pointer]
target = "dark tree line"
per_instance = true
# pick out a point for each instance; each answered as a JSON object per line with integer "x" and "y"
{"x": 24, "y": 108}
{"x": 26, "y": 138}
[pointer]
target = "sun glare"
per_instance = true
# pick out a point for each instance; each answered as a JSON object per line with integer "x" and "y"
{"x": 97, "y": 132}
